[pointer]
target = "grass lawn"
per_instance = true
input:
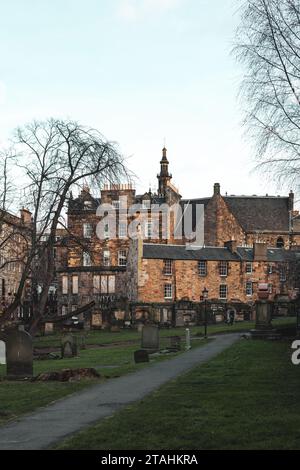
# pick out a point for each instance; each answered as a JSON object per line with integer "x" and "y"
{"x": 246, "y": 398}
{"x": 106, "y": 337}
{"x": 24, "y": 396}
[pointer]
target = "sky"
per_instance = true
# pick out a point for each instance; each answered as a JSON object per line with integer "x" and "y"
{"x": 144, "y": 73}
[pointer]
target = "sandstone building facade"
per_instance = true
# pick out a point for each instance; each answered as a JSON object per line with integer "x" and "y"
{"x": 249, "y": 239}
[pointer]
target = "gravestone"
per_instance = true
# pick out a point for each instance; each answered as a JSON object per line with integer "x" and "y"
{"x": 68, "y": 346}
{"x": 49, "y": 328}
{"x": 141, "y": 356}
{"x": 150, "y": 338}
{"x": 187, "y": 339}
{"x": 19, "y": 354}
{"x": 263, "y": 316}
{"x": 175, "y": 343}
{"x": 2, "y": 353}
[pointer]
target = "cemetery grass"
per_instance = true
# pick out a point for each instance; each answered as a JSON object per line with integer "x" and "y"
{"x": 106, "y": 338}
{"x": 245, "y": 398}
{"x": 21, "y": 397}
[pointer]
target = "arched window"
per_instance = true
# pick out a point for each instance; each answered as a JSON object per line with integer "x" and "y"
{"x": 280, "y": 242}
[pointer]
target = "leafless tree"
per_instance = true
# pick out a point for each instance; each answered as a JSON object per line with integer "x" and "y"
{"x": 53, "y": 157}
{"x": 268, "y": 45}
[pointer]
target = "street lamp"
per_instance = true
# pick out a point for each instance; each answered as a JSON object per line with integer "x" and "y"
{"x": 204, "y": 296}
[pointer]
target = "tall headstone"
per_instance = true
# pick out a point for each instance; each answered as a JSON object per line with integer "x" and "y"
{"x": 150, "y": 337}
{"x": 2, "y": 353}
{"x": 263, "y": 326}
{"x": 68, "y": 346}
{"x": 19, "y": 354}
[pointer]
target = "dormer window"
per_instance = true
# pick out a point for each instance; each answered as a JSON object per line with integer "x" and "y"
{"x": 116, "y": 204}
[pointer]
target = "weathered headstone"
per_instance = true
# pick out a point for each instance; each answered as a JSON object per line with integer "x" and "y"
{"x": 68, "y": 346}
{"x": 49, "y": 328}
{"x": 150, "y": 337}
{"x": 141, "y": 356}
{"x": 2, "y": 353}
{"x": 175, "y": 343}
{"x": 263, "y": 316}
{"x": 187, "y": 339}
{"x": 19, "y": 354}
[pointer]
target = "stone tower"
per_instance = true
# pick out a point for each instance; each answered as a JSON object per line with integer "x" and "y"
{"x": 164, "y": 176}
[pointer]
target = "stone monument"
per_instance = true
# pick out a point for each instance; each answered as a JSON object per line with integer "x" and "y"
{"x": 19, "y": 354}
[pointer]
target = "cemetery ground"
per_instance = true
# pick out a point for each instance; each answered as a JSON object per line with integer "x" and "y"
{"x": 111, "y": 354}
{"x": 245, "y": 398}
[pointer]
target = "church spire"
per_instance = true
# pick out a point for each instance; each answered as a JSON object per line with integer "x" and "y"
{"x": 164, "y": 177}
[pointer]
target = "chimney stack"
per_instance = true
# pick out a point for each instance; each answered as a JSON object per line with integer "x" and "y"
{"x": 217, "y": 189}
{"x": 25, "y": 215}
{"x": 231, "y": 245}
{"x": 260, "y": 251}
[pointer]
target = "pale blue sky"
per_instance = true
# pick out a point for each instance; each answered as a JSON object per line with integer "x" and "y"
{"x": 139, "y": 71}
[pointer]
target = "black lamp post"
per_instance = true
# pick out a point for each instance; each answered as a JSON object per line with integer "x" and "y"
{"x": 204, "y": 296}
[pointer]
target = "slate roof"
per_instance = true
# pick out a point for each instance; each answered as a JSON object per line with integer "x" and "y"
{"x": 210, "y": 253}
{"x": 255, "y": 213}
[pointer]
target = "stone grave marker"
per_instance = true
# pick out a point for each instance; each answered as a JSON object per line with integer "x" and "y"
{"x": 68, "y": 346}
{"x": 141, "y": 356}
{"x": 2, "y": 353}
{"x": 19, "y": 354}
{"x": 187, "y": 339}
{"x": 175, "y": 343}
{"x": 150, "y": 338}
{"x": 49, "y": 328}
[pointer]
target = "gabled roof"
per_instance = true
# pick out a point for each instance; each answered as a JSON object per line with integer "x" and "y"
{"x": 255, "y": 213}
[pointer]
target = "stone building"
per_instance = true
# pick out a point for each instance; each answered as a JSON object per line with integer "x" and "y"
{"x": 163, "y": 277}
{"x": 92, "y": 263}
{"x": 14, "y": 236}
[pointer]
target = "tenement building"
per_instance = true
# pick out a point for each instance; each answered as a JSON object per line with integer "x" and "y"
{"x": 134, "y": 259}
{"x": 14, "y": 238}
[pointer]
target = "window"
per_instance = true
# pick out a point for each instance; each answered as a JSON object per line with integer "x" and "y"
{"x": 86, "y": 259}
{"x": 280, "y": 242}
{"x": 104, "y": 284}
{"x": 87, "y": 230}
{"x": 223, "y": 291}
{"x": 106, "y": 258}
{"x": 122, "y": 257}
{"x": 116, "y": 204}
{"x": 202, "y": 268}
{"x": 249, "y": 288}
{"x": 146, "y": 203}
{"x": 96, "y": 284}
{"x": 168, "y": 291}
{"x": 248, "y": 268}
{"x": 104, "y": 287}
{"x": 223, "y": 268}
{"x": 168, "y": 267}
{"x": 282, "y": 274}
{"x": 148, "y": 231}
{"x": 106, "y": 231}
{"x": 122, "y": 230}
{"x": 64, "y": 284}
{"x": 111, "y": 284}
{"x": 74, "y": 284}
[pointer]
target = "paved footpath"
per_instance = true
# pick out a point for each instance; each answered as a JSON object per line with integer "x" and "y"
{"x": 54, "y": 422}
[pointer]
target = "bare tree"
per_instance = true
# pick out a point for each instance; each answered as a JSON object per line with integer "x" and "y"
{"x": 54, "y": 156}
{"x": 268, "y": 44}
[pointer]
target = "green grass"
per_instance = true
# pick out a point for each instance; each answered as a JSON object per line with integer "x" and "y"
{"x": 106, "y": 338}
{"x": 19, "y": 397}
{"x": 246, "y": 398}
